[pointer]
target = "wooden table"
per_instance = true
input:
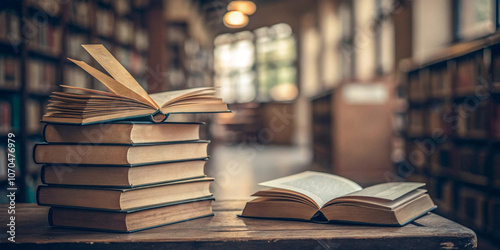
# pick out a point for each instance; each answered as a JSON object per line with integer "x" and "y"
{"x": 226, "y": 231}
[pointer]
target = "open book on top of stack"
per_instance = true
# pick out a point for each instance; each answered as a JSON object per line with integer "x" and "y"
{"x": 105, "y": 169}
{"x": 126, "y": 99}
{"x": 320, "y": 197}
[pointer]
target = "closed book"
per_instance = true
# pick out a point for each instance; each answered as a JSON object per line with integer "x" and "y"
{"x": 118, "y": 154}
{"x": 121, "y": 176}
{"x": 123, "y": 198}
{"x": 130, "y": 221}
{"x": 121, "y": 133}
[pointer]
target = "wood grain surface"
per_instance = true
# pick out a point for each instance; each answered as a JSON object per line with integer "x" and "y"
{"x": 227, "y": 231}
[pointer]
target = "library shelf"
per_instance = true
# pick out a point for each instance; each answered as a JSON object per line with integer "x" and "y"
{"x": 464, "y": 173}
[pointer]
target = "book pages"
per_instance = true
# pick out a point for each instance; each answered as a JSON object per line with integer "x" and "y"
{"x": 318, "y": 186}
{"x": 387, "y": 191}
{"x": 116, "y": 70}
{"x": 113, "y": 85}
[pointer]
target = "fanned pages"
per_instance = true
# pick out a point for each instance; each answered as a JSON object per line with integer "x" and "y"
{"x": 115, "y": 69}
{"x": 127, "y": 100}
{"x": 112, "y": 84}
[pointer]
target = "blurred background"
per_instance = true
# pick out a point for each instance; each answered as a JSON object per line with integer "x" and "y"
{"x": 373, "y": 90}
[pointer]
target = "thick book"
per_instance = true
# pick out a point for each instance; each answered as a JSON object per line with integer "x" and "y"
{"x": 123, "y": 199}
{"x": 126, "y": 98}
{"x": 118, "y": 154}
{"x": 121, "y": 176}
{"x": 132, "y": 220}
{"x": 121, "y": 133}
{"x": 322, "y": 198}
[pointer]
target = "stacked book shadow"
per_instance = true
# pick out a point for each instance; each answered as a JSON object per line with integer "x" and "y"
{"x": 123, "y": 176}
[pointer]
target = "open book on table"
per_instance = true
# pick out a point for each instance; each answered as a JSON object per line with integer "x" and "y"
{"x": 321, "y": 197}
{"x": 126, "y": 99}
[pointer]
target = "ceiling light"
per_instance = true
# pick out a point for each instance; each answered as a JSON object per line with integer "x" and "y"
{"x": 246, "y": 7}
{"x": 235, "y": 19}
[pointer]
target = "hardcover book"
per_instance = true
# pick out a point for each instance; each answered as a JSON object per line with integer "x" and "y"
{"x": 122, "y": 133}
{"x": 131, "y": 220}
{"x": 119, "y": 154}
{"x": 122, "y": 199}
{"x": 126, "y": 99}
{"x": 121, "y": 176}
{"x": 322, "y": 198}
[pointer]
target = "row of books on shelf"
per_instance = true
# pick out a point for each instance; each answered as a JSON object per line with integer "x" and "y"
{"x": 471, "y": 73}
{"x": 76, "y": 77}
{"x": 52, "y": 8}
{"x": 133, "y": 61}
{"x": 495, "y": 65}
{"x": 44, "y": 37}
{"x": 10, "y": 29}
{"x": 9, "y": 114}
{"x": 123, "y": 8}
{"x": 6, "y": 117}
{"x": 80, "y": 13}
{"x": 190, "y": 63}
{"x": 74, "y": 43}
{"x": 10, "y": 73}
{"x": 473, "y": 120}
{"x": 464, "y": 120}
{"x": 41, "y": 76}
{"x": 82, "y": 7}
{"x": 460, "y": 77}
{"x": 471, "y": 206}
{"x": 471, "y": 163}
{"x": 440, "y": 81}
{"x": 122, "y": 29}
{"x": 105, "y": 21}
{"x": 33, "y": 113}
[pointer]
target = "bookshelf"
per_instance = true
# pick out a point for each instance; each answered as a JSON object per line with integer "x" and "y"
{"x": 342, "y": 130}
{"x": 322, "y": 122}
{"x": 36, "y": 37}
{"x": 453, "y": 129}
{"x": 189, "y": 63}
{"x": 189, "y": 60}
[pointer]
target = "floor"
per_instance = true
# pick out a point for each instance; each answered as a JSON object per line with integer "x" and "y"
{"x": 239, "y": 168}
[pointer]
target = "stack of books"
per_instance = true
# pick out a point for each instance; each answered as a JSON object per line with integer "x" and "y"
{"x": 107, "y": 168}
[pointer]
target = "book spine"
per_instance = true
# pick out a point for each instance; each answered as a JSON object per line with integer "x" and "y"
{"x": 158, "y": 117}
{"x": 42, "y": 174}
{"x": 43, "y": 132}
{"x": 51, "y": 223}
{"x": 38, "y": 196}
{"x": 33, "y": 155}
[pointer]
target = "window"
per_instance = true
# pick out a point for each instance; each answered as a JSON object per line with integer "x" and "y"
{"x": 475, "y": 18}
{"x": 233, "y": 64}
{"x": 256, "y": 66}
